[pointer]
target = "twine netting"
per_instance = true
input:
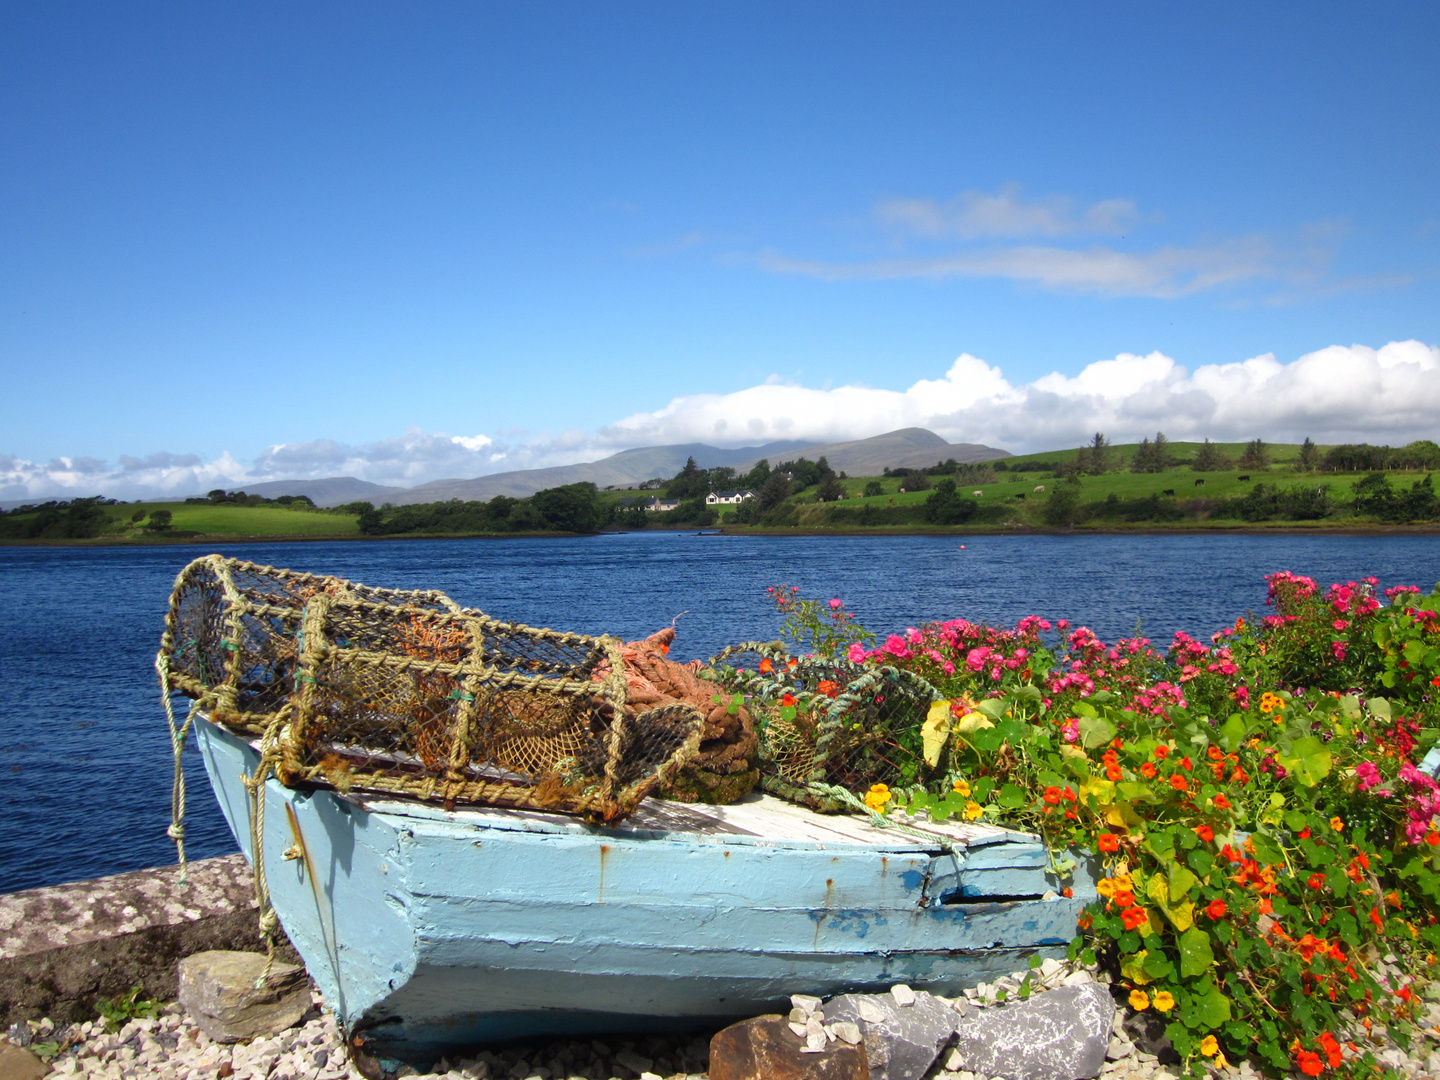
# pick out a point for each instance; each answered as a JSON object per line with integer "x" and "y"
{"x": 847, "y": 726}
{"x": 405, "y": 693}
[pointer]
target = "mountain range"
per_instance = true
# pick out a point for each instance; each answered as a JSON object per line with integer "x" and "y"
{"x": 911, "y": 448}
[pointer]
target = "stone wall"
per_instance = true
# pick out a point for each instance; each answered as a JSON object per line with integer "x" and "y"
{"x": 65, "y": 947}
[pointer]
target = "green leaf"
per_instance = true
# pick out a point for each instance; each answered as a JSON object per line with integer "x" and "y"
{"x": 1012, "y": 797}
{"x": 1212, "y": 1008}
{"x": 1379, "y": 707}
{"x": 1035, "y": 961}
{"x": 1162, "y": 843}
{"x": 1295, "y": 821}
{"x": 1200, "y": 861}
{"x": 1232, "y": 732}
{"x": 987, "y": 740}
{"x": 1157, "y": 965}
{"x": 1309, "y": 759}
{"x": 1196, "y": 956}
{"x": 1181, "y": 882}
{"x": 994, "y": 708}
{"x": 1095, "y": 731}
{"x": 1267, "y": 850}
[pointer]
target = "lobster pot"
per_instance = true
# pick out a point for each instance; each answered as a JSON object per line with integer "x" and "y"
{"x": 851, "y": 726}
{"x": 461, "y": 708}
{"x": 231, "y": 633}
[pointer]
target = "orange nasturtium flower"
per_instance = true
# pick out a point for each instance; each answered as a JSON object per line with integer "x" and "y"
{"x": 1108, "y": 842}
{"x": 1124, "y": 898}
{"x": 1164, "y": 1001}
{"x": 766, "y": 666}
{"x": 1133, "y": 917}
{"x": 829, "y": 688}
{"x": 1222, "y": 802}
{"x": 1205, "y": 833}
{"x": 787, "y": 699}
{"x": 1215, "y": 909}
{"x": 1147, "y": 770}
{"x": 877, "y": 797}
{"x": 1139, "y": 1000}
{"x": 1209, "y": 1046}
{"x": 1162, "y": 752}
{"x": 961, "y": 788}
{"x": 1179, "y": 783}
{"x": 1316, "y": 881}
{"x": 1338, "y": 824}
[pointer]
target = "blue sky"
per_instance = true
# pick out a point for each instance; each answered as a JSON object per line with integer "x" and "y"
{"x": 255, "y": 240}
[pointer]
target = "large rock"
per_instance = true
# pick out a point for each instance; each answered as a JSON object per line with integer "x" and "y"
{"x": 766, "y": 1048}
{"x": 902, "y": 1041}
{"x": 219, "y": 990}
{"x": 17, "y": 1063}
{"x": 1061, "y": 1034}
{"x": 65, "y": 948}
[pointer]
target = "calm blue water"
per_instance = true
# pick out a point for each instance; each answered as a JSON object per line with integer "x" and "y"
{"x": 84, "y": 756}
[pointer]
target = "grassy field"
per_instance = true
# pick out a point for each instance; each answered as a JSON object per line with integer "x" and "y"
{"x": 229, "y": 520}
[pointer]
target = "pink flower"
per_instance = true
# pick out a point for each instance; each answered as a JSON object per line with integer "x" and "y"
{"x": 1338, "y": 648}
{"x": 895, "y": 646}
{"x": 856, "y": 653}
{"x": 1340, "y": 624}
{"x": 1072, "y": 729}
{"x": 835, "y": 603}
{"x": 1367, "y": 774}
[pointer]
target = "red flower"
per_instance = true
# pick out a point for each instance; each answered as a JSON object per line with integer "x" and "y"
{"x": 1214, "y": 753}
{"x": 1215, "y": 909}
{"x": 1133, "y": 917}
{"x": 1113, "y": 774}
{"x": 1304, "y": 833}
{"x": 1186, "y": 764}
{"x": 1222, "y": 802}
{"x": 1376, "y": 919}
{"x": 1316, "y": 881}
{"x": 1331, "y": 1047}
{"x": 1108, "y": 842}
{"x": 1432, "y": 838}
{"x": 828, "y": 688}
{"x": 787, "y": 699}
{"x": 1308, "y": 1062}
{"x": 1069, "y": 795}
{"x": 1147, "y": 770}
{"x": 766, "y": 666}
{"x": 1178, "y": 783}
{"x": 1205, "y": 833}
{"x": 1052, "y": 795}
{"x": 1162, "y": 752}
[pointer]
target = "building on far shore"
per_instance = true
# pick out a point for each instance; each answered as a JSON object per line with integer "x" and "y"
{"x": 656, "y": 505}
{"x": 728, "y": 498}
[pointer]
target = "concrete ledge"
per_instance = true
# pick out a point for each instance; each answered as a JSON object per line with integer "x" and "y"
{"x": 65, "y": 947}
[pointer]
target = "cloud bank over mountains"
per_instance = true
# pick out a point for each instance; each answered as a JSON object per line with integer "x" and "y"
{"x": 1337, "y": 394}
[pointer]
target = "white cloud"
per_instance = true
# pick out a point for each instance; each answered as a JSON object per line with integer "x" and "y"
{"x": 1337, "y": 394}
{"x": 1165, "y": 273}
{"x": 1007, "y": 214}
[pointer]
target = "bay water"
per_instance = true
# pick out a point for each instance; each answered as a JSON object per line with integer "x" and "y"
{"x": 85, "y": 761}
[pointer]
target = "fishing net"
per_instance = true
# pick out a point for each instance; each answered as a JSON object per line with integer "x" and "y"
{"x": 828, "y": 722}
{"x": 405, "y": 693}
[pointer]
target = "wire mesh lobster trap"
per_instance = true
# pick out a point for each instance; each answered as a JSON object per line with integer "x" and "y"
{"x": 406, "y": 693}
{"x": 829, "y": 722}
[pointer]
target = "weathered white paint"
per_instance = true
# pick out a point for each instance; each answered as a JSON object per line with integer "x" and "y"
{"x": 426, "y": 927}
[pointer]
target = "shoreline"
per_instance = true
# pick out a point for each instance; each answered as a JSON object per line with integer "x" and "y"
{"x": 957, "y": 531}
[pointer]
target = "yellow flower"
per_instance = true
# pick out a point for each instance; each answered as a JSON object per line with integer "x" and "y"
{"x": 973, "y": 810}
{"x": 1105, "y": 887}
{"x": 1164, "y": 1001}
{"x": 877, "y": 797}
{"x": 1271, "y": 702}
{"x": 962, "y": 789}
{"x": 1338, "y": 824}
{"x": 1209, "y": 1046}
{"x": 1139, "y": 1000}
{"x": 1124, "y": 882}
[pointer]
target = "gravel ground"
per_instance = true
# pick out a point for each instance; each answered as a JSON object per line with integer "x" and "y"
{"x": 171, "y": 1047}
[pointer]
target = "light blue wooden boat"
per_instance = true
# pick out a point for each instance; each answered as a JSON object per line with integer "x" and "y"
{"x": 427, "y": 928}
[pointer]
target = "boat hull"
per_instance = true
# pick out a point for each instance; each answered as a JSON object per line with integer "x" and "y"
{"x": 426, "y": 929}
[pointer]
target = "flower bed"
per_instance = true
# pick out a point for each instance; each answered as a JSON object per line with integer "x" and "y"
{"x": 1261, "y": 805}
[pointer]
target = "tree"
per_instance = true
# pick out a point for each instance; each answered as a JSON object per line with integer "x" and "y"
{"x": 1161, "y": 452}
{"x": 1309, "y": 456}
{"x": 775, "y": 491}
{"x": 159, "y": 520}
{"x": 945, "y": 506}
{"x": 1374, "y": 496}
{"x": 689, "y": 482}
{"x": 1256, "y": 456}
{"x": 1099, "y": 453}
{"x": 830, "y": 489}
{"x": 757, "y": 476}
{"x": 1062, "y": 508}
{"x": 1144, "y": 456}
{"x": 874, "y": 488}
{"x": 571, "y": 508}
{"x": 915, "y": 480}
{"x": 1209, "y": 458}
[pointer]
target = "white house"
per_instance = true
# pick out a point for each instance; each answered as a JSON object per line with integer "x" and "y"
{"x": 657, "y": 504}
{"x": 728, "y": 498}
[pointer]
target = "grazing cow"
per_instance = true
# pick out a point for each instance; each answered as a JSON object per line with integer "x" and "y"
{"x": 1040, "y": 487}
{"x": 1168, "y": 491}
{"x": 977, "y": 494}
{"x": 1242, "y": 478}
{"x": 1200, "y": 482}
{"x": 1020, "y": 496}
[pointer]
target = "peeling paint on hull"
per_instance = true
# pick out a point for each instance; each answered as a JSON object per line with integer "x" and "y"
{"x": 426, "y": 928}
